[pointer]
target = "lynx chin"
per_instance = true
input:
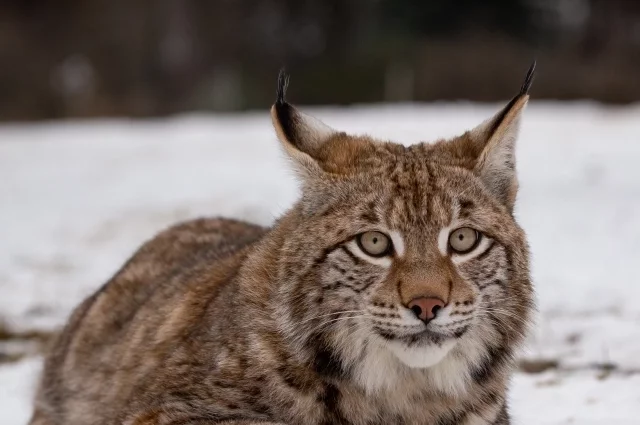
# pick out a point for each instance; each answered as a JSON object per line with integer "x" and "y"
{"x": 395, "y": 291}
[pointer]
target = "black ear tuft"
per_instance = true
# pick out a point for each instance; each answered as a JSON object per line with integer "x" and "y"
{"x": 284, "y": 112}
{"x": 283, "y": 83}
{"x": 496, "y": 121}
{"x": 528, "y": 80}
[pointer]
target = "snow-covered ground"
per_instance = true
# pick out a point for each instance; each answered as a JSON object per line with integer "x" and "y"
{"x": 77, "y": 198}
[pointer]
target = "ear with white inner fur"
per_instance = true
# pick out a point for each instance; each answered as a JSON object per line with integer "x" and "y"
{"x": 497, "y": 138}
{"x": 300, "y": 134}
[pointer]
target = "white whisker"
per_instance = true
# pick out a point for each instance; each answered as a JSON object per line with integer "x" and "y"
{"x": 335, "y": 313}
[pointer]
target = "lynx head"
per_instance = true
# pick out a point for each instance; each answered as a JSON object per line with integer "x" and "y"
{"x": 406, "y": 263}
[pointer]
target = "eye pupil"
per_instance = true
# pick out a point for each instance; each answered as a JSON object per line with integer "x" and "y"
{"x": 374, "y": 243}
{"x": 464, "y": 240}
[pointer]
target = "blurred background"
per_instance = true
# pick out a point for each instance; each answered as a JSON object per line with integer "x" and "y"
{"x": 119, "y": 118}
{"x": 89, "y": 58}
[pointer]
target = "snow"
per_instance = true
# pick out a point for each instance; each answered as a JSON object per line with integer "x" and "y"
{"x": 77, "y": 198}
{"x": 16, "y": 390}
{"x": 578, "y": 398}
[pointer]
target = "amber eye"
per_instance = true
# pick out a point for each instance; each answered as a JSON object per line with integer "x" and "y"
{"x": 374, "y": 243}
{"x": 464, "y": 240}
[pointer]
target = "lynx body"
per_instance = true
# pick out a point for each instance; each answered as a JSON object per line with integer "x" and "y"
{"x": 396, "y": 291}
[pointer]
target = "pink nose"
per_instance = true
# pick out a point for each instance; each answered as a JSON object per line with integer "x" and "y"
{"x": 425, "y": 308}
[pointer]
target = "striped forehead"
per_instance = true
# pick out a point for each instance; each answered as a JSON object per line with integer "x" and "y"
{"x": 423, "y": 209}
{"x": 415, "y": 198}
{"x": 419, "y": 207}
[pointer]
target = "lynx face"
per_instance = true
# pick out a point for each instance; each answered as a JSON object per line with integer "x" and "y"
{"x": 407, "y": 260}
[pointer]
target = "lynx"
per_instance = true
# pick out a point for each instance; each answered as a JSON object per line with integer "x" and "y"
{"x": 395, "y": 291}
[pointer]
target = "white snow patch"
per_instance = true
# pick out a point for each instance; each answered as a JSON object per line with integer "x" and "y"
{"x": 17, "y": 388}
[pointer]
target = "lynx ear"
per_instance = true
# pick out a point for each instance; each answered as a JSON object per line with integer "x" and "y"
{"x": 301, "y": 135}
{"x": 495, "y": 141}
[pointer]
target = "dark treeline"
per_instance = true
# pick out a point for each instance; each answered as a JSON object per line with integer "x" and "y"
{"x": 67, "y": 58}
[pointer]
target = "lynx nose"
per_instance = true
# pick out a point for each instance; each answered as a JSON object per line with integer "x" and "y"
{"x": 425, "y": 308}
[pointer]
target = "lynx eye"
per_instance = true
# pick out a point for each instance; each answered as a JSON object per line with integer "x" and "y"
{"x": 464, "y": 240}
{"x": 374, "y": 243}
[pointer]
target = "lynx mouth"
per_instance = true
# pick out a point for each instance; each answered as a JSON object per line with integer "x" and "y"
{"x": 422, "y": 349}
{"x": 424, "y": 337}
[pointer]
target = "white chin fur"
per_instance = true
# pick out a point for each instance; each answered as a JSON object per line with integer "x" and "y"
{"x": 421, "y": 356}
{"x": 403, "y": 370}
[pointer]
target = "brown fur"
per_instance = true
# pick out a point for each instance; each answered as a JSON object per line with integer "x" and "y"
{"x": 217, "y": 321}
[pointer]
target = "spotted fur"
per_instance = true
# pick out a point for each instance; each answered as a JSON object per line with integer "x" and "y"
{"x": 217, "y": 321}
